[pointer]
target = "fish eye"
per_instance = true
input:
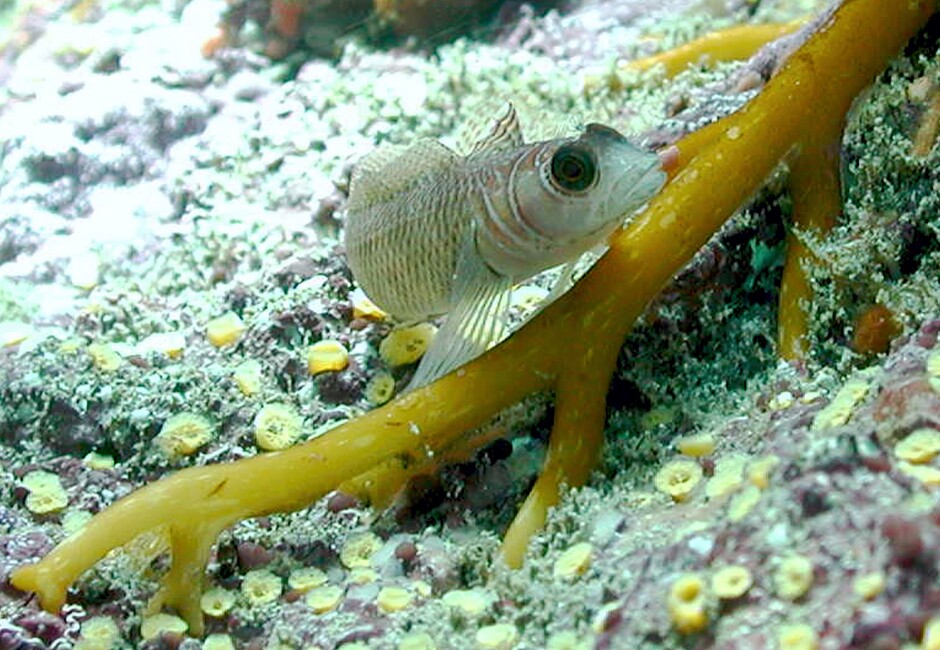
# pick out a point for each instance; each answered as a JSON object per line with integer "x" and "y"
{"x": 573, "y": 168}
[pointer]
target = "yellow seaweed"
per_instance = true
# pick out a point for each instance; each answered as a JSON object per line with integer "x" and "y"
{"x": 730, "y": 44}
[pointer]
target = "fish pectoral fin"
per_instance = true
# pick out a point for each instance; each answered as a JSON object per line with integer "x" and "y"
{"x": 476, "y": 321}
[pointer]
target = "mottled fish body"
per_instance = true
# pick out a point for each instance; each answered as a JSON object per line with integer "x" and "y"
{"x": 430, "y": 232}
{"x": 402, "y": 246}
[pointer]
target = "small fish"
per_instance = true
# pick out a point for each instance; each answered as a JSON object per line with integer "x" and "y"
{"x": 431, "y": 232}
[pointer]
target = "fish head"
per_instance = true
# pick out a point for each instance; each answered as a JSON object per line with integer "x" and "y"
{"x": 581, "y": 188}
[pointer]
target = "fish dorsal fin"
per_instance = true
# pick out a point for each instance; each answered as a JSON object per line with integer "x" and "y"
{"x": 476, "y": 321}
{"x": 505, "y": 134}
{"x": 391, "y": 169}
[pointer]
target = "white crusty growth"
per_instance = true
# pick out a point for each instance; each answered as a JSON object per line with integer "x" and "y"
{"x": 430, "y": 232}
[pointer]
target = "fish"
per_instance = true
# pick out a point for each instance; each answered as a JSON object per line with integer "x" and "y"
{"x": 431, "y": 232}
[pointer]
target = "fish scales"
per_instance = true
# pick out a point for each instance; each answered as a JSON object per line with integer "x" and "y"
{"x": 430, "y": 232}
{"x": 404, "y": 254}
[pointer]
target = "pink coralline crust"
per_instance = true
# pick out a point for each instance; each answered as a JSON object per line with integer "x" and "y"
{"x": 928, "y": 334}
{"x": 17, "y": 548}
{"x": 837, "y": 497}
{"x": 910, "y": 404}
{"x": 35, "y": 625}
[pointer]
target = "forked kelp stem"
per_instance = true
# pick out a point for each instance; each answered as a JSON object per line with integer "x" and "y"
{"x": 729, "y": 165}
{"x": 731, "y": 44}
{"x": 817, "y": 202}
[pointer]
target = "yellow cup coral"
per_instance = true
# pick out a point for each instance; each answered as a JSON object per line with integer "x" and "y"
{"x": 327, "y": 355}
{"x": 305, "y": 579}
{"x": 687, "y": 604}
{"x": 470, "y": 602}
{"x": 793, "y": 577}
{"x": 501, "y": 636}
{"x": 359, "y": 550}
{"x": 277, "y": 426}
{"x": 743, "y": 502}
{"x": 323, "y": 599}
{"x": 104, "y": 357}
{"x": 678, "y": 478}
{"x": 99, "y": 633}
{"x": 247, "y": 377}
{"x": 405, "y": 345}
{"x": 931, "y": 637}
{"x": 217, "y": 602}
{"x": 760, "y": 471}
{"x": 696, "y": 446}
{"x": 393, "y": 599}
{"x": 574, "y": 561}
{"x": 919, "y": 446}
{"x": 184, "y": 433}
{"x": 260, "y": 587}
{"x": 153, "y": 626}
{"x": 380, "y": 389}
{"x": 728, "y": 476}
{"x": 46, "y": 493}
{"x": 731, "y": 582}
{"x": 218, "y": 642}
{"x": 797, "y": 637}
{"x": 225, "y": 330}
{"x": 363, "y": 307}
{"x": 870, "y": 585}
{"x": 417, "y": 641}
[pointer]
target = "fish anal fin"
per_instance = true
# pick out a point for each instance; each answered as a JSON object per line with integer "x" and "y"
{"x": 505, "y": 134}
{"x": 475, "y": 322}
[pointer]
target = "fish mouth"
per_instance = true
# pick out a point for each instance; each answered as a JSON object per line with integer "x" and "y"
{"x": 649, "y": 182}
{"x": 632, "y": 191}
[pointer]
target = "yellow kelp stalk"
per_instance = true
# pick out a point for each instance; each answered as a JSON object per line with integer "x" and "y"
{"x": 817, "y": 203}
{"x": 571, "y": 347}
{"x": 731, "y": 44}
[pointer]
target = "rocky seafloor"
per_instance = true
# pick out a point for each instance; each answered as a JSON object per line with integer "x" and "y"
{"x": 157, "y": 173}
